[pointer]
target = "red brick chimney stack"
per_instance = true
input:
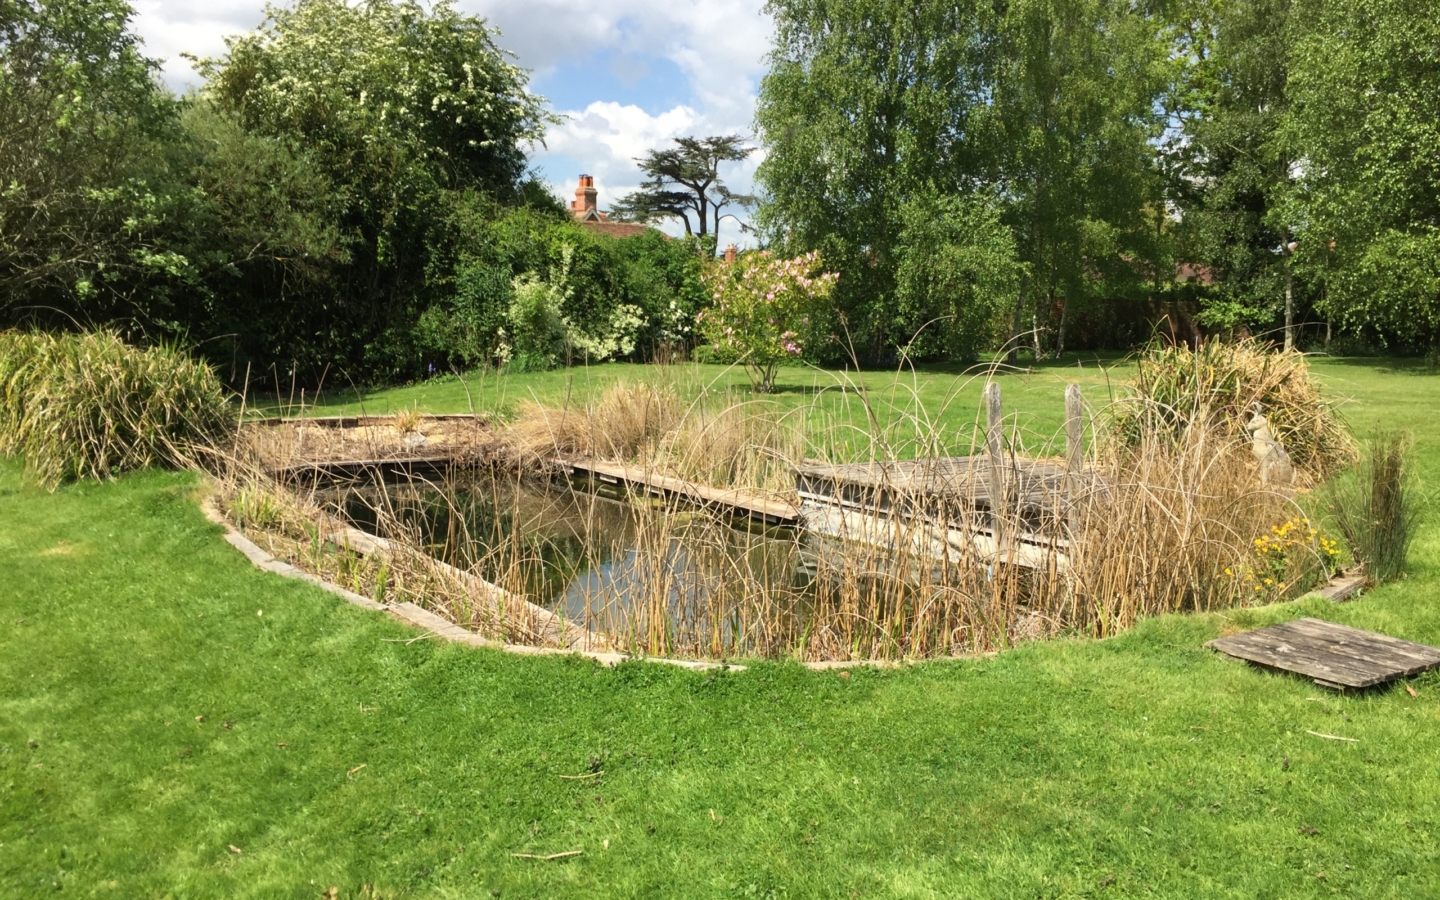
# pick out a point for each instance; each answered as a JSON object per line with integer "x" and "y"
{"x": 730, "y": 253}
{"x": 585, "y": 195}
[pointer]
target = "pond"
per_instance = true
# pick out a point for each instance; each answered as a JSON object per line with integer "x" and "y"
{"x": 594, "y": 554}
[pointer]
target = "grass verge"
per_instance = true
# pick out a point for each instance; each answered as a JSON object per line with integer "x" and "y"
{"x": 164, "y": 702}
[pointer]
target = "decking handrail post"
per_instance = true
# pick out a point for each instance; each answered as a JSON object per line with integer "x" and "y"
{"x": 995, "y": 448}
{"x": 1074, "y": 454}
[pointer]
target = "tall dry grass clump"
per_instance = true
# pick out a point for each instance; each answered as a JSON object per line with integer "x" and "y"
{"x": 1377, "y": 506}
{"x": 1220, "y": 384}
{"x": 752, "y": 445}
{"x": 91, "y": 406}
{"x": 625, "y": 420}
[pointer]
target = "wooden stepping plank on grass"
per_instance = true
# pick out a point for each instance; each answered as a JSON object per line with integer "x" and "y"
{"x": 1336, "y": 656}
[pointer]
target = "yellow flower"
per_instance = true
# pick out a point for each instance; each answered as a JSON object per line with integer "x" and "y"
{"x": 1228, "y": 571}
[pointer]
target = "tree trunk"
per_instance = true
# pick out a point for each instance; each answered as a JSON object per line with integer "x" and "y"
{"x": 1013, "y": 356}
{"x": 1060, "y": 333}
{"x": 1289, "y": 301}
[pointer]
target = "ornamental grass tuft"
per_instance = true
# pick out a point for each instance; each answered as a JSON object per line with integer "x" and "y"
{"x": 1219, "y": 385}
{"x": 91, "y": 406}
{"x": 1377, "y": 506}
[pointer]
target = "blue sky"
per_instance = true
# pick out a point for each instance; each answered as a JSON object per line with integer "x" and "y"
{"x": 628, "y": 75}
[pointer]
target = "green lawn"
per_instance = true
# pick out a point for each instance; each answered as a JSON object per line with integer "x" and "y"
{"x": 334, "y": 751}
{"x": 943, "y": 397}
{"x": 1402, "y": 393}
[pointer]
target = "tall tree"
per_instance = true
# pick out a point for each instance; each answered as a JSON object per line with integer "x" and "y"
{"x": 684, "y": 181}
{"x": 84, "y": 130}
{"x": 868, "y": 105}
{"x": 1235, "y": 168}
{"x": 1364, "y": 119}
{"x": 395, "y": 103}
{"x": 1076, "y": 87}
{"x": 871, "y": 106}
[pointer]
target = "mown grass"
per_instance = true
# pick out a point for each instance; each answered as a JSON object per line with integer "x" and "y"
{"x": 947, "y": 397}
{"x": 1143, "y": 765}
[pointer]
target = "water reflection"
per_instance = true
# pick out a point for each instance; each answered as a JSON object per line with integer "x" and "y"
{"x": 589, "y": 553}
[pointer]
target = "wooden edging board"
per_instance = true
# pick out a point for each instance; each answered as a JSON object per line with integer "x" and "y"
{"x": 356, "y": 421}
{"x": 771, "y": 512}
{"x": 418, "y": 617}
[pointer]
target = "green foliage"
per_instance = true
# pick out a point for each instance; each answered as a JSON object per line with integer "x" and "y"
{"x": 1222, "y": 383}
{"x": 957, "y": 268}
{"x": 763, "y": 305}
{"x": 379, "y": 82}
{"x": 684, "y": 181}
{"x": 621, "y": 296}
{"x": 1365, "y": 112}
{"x": 537, "y": 321}
{"x": 90, "y": 406}
{"x": 83, "y": 150}
{"x": 394, "y": 107}
{"x": 870, "y": 107}
{"x": 1078, "y": 86}
{"x": 1231, "y": 164}
{"x": 866, "y": 106}
{"x": 1378, "y": 506}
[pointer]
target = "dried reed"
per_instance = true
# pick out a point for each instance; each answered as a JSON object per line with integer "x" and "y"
{"x": 1220, "y": 384}
{"x": 1171, "y": 520}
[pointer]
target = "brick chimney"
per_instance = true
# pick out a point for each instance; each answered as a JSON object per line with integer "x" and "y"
{"x": 730, "y": 253}
{"x": 584, "y": 197}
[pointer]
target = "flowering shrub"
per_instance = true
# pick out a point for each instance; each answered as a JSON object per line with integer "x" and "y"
{"x": 761, "y": 304}
{"x": 1290, "y": 559}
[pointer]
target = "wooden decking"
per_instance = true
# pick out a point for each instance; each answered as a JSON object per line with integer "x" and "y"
{"x": 1031, "y": 486}
{"x": 1335, "y": 656}
{"x": 943, "y": 507}
{"x": 761, "y": 509}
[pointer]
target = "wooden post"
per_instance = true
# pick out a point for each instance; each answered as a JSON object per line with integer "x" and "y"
{"x": 1074, "y": 453}
{"x": 995, "y": 448}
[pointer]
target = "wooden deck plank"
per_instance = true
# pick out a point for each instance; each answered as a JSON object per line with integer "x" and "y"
{"x": 755, "y": 507}
{"x": 1364, "y": 644}
{"x": 1333, "y": 655}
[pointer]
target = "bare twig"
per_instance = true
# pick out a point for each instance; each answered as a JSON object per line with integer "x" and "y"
{"x": 546, "y": 858}
{"x": 1333, "y": 737}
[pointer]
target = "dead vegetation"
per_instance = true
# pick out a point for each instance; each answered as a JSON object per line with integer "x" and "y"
{"x": 1170, "y": 518}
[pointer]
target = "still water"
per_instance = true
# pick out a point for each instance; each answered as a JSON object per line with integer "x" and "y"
{"x": 581, "y": 551}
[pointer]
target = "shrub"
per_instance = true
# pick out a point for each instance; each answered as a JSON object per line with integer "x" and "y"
{"x": 762, "y": 303}
{"x": 90, "y": 406}
{"x": 1376, "y": 507}
{"x": 1219, "y": 384}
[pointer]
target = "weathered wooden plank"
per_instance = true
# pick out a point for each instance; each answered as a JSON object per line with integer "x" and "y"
{"x": 1340, "y": 588}
{"x": 1074, "y": 453}
{"x": 1331, "y": 654}
{"x": 772, "y": 511}
{"x": 1310, "y": 661}
{"x": 1366, "y": 644}
{"x": 995, "y": 472}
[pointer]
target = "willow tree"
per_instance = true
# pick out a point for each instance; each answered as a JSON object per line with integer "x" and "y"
{"x": 867, "y": 106}
{"x": 1077, "y": 85}
{"x": 1048, "y": 106}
